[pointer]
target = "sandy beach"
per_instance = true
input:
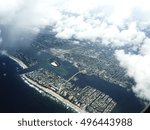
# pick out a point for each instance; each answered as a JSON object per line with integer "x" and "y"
{"x": 57, "y": 96}
{"x": 17, "y": 61}
{"x": 36, "y": 85}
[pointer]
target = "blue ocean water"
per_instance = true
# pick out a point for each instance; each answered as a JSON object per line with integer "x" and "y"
{"x": 17, "y": 96}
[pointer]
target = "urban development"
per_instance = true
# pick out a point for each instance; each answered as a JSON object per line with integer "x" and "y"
{"x": 55, "y": 66}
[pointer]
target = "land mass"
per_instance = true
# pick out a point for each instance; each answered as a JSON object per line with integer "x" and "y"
{"x": 80, "y": 100}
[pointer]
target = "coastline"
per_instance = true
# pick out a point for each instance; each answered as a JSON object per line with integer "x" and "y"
{"x": 33, "y": 84}
{"x": 36, "y": 86}
{"x": 17, "y": 61}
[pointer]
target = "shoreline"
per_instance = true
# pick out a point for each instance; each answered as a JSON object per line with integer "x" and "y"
{"x": 17, "y": 61}
{"x": 38, "y": 87}
{"x": 67, "y": 103}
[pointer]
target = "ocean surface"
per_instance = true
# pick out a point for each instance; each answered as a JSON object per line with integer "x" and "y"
{"x": 17, "y": 96}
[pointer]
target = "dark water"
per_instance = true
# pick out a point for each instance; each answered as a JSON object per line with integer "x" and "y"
{"x": 17, "y": 96}
{"x": 126, "y": 100}
{"x": 65, "y": 70}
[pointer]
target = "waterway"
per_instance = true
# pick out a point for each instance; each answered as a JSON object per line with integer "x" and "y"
{"x": 17, "y": 96}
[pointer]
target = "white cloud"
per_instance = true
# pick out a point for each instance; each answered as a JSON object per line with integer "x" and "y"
{"x": 44, "y": 12}
{"x": 28, "y": 14}
{"x": 114, "y": 22}
{"x": 95, "y": 19}
{"x": 138, "y": 68}
{"x": 145, "y": 49}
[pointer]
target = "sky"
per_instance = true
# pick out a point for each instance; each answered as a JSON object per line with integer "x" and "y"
{"x": 117, "y": 23}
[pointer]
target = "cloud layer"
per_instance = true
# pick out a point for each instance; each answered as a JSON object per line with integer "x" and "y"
{"x": 110, "y": 22}
{"x": 114, "y": 22}
{"x": 138, "y": 68}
